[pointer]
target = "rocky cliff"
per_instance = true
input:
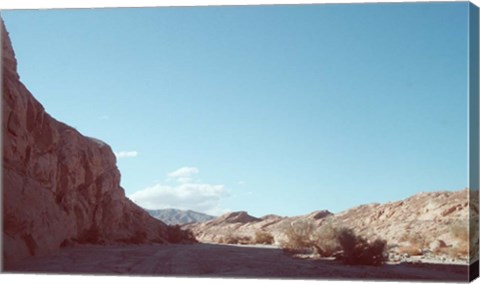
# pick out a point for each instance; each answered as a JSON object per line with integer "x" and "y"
{"x": 59, "y": 187}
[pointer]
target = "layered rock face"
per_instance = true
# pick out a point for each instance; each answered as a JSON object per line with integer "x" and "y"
{"x": 424, "y": 220}
{"x": 430, "y": 214}
{"x": 59, "y": 187}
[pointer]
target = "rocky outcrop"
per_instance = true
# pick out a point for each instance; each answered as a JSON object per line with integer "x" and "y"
{"x": 59, "y": 187}
{"x": 431, "y": 214}
{"x": 426, "y": 222}
{"x": 237, "y": 217}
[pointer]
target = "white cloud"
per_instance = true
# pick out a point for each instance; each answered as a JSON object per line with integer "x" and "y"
{"x": 183, "y": 172}
{"x": 126, "y": 154}
{"x": 183, "y": 175}
{"x": 184, "y": 194}
{"x": 104, "y": 117}
{"x": 200, "y": 197}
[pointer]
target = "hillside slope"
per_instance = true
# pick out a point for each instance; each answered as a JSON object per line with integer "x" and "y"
{"x": 425, "y": 221}
{"x": 172, "y": 216}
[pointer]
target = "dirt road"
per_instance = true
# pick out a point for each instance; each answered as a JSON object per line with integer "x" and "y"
{"x": 221, "y": 260}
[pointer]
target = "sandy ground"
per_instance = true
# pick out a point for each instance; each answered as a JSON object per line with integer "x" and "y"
{"x": 210, "y": 260}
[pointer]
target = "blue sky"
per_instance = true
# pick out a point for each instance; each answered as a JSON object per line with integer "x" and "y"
{"x": 267, "y": 109}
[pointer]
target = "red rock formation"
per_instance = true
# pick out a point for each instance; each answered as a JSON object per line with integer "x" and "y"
{"x": 59, "y": 186}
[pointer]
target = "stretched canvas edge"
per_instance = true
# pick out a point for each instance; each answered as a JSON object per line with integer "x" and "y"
{"x": 474, "y": 119}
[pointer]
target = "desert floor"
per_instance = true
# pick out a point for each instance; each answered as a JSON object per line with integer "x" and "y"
{"x": 210, "y": 260}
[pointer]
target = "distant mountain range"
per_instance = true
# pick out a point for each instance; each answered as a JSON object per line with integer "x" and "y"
{"x": 172, "y": 216}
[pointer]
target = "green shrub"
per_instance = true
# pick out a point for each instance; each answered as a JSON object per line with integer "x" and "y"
{"x": 262, "y": 237}
{"x": 359, "y": 251}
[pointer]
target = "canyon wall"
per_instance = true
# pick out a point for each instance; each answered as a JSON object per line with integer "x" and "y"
{"x": 59, "y": 186}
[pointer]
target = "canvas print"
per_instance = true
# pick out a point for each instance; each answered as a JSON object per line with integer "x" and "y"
{"x": 322, "y": 141}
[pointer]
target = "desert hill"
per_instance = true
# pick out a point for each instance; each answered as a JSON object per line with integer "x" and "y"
{"x": 244, "y": 226}
{"x": 59, "y": 186}
{"x": 422, "y": 223}
{"x": 172, "y": 216}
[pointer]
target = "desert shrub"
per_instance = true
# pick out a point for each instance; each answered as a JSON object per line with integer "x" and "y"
{"x": 326, "y": 241}
{"x": 307, "y": 236}
{"x": 474, "y": 247}
{"x": 231, "y": 239}
{"x": 415, "y": 239}
{"x": 262, "y": 237}
{"x": 176, "y": 234}
{"x": 459, "y": 231}
{"x": 454, "y": 251}
{"x": 410, "y": 250}
{"x": 235, "y": 239}
{"x": 359, "y": 251}
{"x": 244, "y": 240}
{"x": 300, "y": 235}
{"x": 138, "y": 238}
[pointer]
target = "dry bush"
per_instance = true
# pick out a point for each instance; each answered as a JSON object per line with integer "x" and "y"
{"x": 474, "y": 240}
{"x": 326, "y": 240}
{"x": 359, "y": 251}
{"x": 474, "y": 250}
{"x": 411, "y": 250}
{"x": 305, "y": 236}
{"x": 235, "y": 239}
{"x": 176, "y": 235}
{"x": 231, "y": 239}
{"x": 416, "y": 239}
{"x": 454, "y": 252}
{"x": 245, "y": 240}
{"x": 299, "y": 235}
{"x": 459, "y": 231}
{"x": 262, "y": 237}
{"x": 221, "y": 240}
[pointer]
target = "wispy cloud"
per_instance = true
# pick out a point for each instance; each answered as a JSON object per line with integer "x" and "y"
{"x": 183, "y": 175}
{"x": 202, "y": 197}
{"x": 104, "y": 117}
{"x": 126, "y": 154}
